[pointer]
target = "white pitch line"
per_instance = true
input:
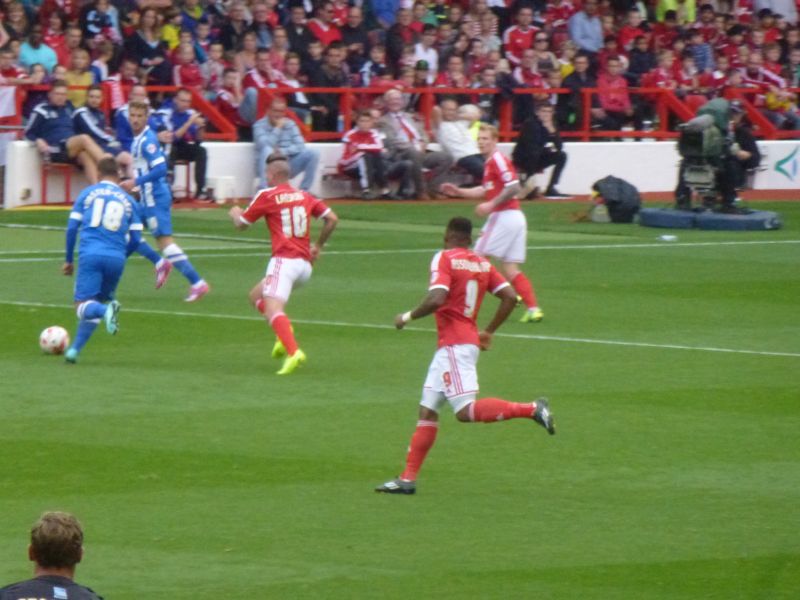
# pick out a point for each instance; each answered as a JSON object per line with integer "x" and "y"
{"x": 522, "y": 336}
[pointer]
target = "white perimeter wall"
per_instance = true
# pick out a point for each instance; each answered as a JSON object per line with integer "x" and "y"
{"x": 650, "y": 166}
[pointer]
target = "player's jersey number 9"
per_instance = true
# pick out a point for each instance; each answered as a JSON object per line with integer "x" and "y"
{"x": 294, "y": 221}
{"x": 470, "y": 298}
{"x": 108, "y": 214}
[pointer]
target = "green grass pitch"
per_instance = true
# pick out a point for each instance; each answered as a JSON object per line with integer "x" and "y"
{"x": 673, "y": 369}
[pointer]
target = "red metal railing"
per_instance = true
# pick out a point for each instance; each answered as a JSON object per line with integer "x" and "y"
{"x": 664, "y": 102}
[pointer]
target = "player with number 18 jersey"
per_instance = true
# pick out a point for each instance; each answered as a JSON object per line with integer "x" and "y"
{"x": 287, "y": 212}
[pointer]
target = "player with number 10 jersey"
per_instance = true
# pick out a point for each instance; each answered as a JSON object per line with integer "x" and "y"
{"x": 287, "y": 212}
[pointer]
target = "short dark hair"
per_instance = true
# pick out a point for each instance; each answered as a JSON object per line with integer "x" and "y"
{"x": 57, "y": 540}
{"x": 93, "y": 87}
{"x": 461, "y": 226}
{"x": 58, "y": 83}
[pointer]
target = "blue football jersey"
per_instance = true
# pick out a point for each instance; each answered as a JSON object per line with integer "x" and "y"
{"x": 106, "y": 214}
{"x": 148, "y": 159}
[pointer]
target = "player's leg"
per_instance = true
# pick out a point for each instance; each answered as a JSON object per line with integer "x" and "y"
{"x": 88, "y": 284}
{"x": 200, "y": 166}
{"x": 125, "y": 163}
{"x": 175, "y": 255}
{"x": 512, "y": 232}
{"x": 493, "y": 410}
{"x": 282, "y": 276}
{"x": 424, "y": 436}
{"x": 461, "y": 389}
{"x": 89, "y": 166}
{"x": 305, "y": 161}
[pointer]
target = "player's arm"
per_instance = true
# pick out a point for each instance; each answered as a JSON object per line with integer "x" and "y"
{"x": 158, "y": 168}
{"x": 463, "y": 192}
{"x": 235, "y": 213}
{"x": 329, "y": 223}
{"x": 508, "y": 300}
{"x": 430, "y": 304}
{"x": 73, "y": 224}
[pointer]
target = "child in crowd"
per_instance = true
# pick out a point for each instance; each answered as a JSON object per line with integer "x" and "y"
{"x": 186, "y": 73}
{"x": 78, "y": 75}
{"x": 362, "y": 158}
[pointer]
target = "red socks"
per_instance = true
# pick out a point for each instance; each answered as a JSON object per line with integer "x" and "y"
{"x": 283, "y": 329}
{"x": 261, "y": 305}
{"x": 489, "y": 410}
{"x": 421, "y": 442}
{"x": 524, "y": 289}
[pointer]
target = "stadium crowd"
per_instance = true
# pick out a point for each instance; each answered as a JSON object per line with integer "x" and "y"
{"x": 480, "y": 50}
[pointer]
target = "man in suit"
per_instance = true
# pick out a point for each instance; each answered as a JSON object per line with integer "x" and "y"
{"x": 405, "y": 139}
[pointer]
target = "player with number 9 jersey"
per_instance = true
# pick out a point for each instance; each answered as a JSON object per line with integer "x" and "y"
{"x": 287, "y": 212}
{"x": 466, "y": 277}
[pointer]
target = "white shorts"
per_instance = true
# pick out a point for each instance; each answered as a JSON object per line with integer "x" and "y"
{"x": 452, "y": 376}
{"x": 504, "y": 236}
{"x": 283, "y": 275}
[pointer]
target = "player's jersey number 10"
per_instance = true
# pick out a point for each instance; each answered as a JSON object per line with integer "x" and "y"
{"x": 294, "y": 221}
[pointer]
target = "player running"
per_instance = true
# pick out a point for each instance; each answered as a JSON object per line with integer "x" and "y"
{"x": 505, "y": 234}
{"x": 459, "y": 279}
{"x": 150, "y": 168}
{"x": 110, "y": 230}
{"x": 286, "y": 211}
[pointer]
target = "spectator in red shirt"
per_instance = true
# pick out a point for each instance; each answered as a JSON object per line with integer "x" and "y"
{"x": 767, "y": 24}
{"x": 772, "y": 58}
{"x": 519, "y": 37}
{"x": 228, "y": 99}
{"x": 665, "y": 34}
{"x": 54, "y": 34}
{"x": 186, "y": 73}
{"x": 706, "y": 23}
{"x": 631, "y": 30}
{"x": 10, "y": 73}
{"x": 613, "y": 96}
{"x": 72, "y": 41}
{"x": 363, "y": 159}
{"x": 213, "y": 70}
{"x": 322, "y": 27}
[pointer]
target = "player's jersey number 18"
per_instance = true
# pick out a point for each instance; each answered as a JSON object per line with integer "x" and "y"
{"x": 107, "y": 214}
{"x": 294, "y": 221}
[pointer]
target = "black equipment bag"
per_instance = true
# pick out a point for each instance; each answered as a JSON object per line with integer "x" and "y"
{"x": 621, "y": 198}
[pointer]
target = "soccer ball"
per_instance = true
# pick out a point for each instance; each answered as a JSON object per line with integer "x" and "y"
{"x": 54, "y": 340}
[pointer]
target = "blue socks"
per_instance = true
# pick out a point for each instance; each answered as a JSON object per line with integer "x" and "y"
{"x": 147, "y": 251}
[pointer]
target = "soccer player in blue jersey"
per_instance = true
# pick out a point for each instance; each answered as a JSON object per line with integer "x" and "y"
{"x": 150, "y": 168}
{"x": 110, "y": 228}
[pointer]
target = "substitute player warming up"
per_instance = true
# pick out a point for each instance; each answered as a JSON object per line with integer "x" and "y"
{"x": 459, "y": 280}
{"x": 110, "y": 230}
{"x": 505, "y": 234}
{"x": 150, "y": 167}
{"x": 286, "y": 211}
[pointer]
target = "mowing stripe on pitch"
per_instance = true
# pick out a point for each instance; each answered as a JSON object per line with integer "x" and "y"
{"x": 521, "y": 336}
{"x": 263, "y": 253}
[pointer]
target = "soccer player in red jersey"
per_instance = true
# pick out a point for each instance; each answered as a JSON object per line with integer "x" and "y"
{"x": 459, "y": 280}
{"x": 286, "y": 211}
{"x": 504, "y": 236}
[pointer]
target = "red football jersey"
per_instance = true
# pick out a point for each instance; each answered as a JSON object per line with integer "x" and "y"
{"x": 515, "y": 40}
{"x": 498, "y": 173}
{"x": 466, "y": 277}
{"x": 357, "y": 142}
{"x": 286, "y": 211}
